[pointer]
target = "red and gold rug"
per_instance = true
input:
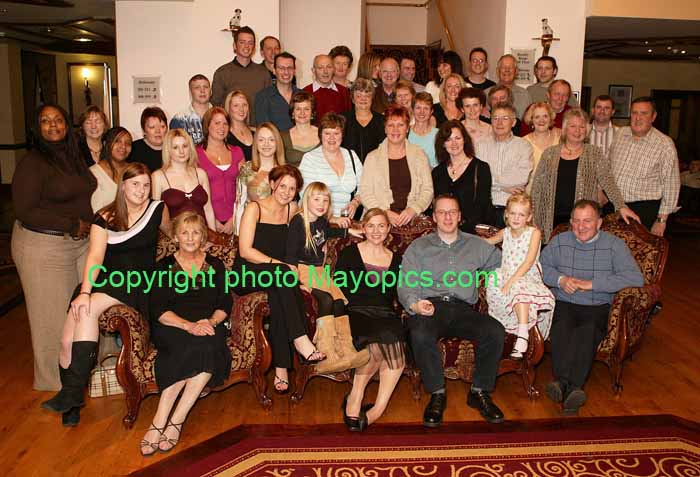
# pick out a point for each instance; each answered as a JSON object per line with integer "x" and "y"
{"x": 611, "y": 447}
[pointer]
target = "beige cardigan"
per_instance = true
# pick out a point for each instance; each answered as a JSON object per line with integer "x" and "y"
{"x": 375, "y": 190}
{"x": 593, "y": 172}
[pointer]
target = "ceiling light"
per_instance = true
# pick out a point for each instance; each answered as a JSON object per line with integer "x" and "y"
{"x": 82, "y": 39}
{"x": 650, "y": 50}
{"x": 668, "y": 47}
{"x": 683, "y": 51}
{"x": 646, "y": 42}
{"x": 3, "y": 10}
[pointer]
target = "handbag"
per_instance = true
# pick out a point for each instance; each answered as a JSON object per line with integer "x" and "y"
{"x": 103, "y": 380}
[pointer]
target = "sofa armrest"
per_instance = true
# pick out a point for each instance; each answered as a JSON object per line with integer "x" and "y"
{"x": 137, "y": 349}
{"x": 247, "y": 332}
{"x": 629, "y": 318}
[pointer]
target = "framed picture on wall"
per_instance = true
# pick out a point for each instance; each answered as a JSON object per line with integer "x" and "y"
{"x": 622, "y": 95}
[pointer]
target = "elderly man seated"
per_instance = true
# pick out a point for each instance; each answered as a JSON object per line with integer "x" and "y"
{"x": 585, "y": 268}
{"x": 443, "y": 308}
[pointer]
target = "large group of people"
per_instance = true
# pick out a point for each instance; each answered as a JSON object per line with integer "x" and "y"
{"x": 285, "y": 169}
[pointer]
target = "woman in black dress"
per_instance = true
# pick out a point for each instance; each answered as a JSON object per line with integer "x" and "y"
{"x": 461, "y": 174}
{"x": 261, "y": 249}
{"x": 189, "y": 332}
{"x": 123, "y": 238}
{"x": 374, "y": 323}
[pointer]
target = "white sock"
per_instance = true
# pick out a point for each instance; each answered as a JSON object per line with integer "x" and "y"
{"x": 521, "y": 345}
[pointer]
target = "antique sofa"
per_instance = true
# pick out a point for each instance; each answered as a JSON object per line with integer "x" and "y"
{"x": 457, "y": 354}
{"x": 630, "y": 313}
{"x": 249, "y": 347}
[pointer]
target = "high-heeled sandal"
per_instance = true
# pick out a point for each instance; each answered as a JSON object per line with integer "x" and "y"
{"x": 172, "y": 441}
{"x": 283, "y": 382}
{"x": 154, "y": 445}
{"x": 314, "y": 357}
{"x": 519, "y": 355}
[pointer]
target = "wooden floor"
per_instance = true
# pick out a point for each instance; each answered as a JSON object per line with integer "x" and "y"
{"x": 662, "y": 377}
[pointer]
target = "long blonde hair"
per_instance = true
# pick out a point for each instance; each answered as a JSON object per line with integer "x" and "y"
{"x": 313, "y": 188}
{"x": 279, "y": 150}
{"x": 193, "y": 161}
{"x": 443, "y": 95}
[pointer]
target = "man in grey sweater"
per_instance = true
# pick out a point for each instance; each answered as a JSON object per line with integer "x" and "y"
{"x": 585, "y": 268}
{"x": 450, "y": 263}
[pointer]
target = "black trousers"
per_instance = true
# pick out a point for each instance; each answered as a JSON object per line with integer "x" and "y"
{"x": 576, "y": 332}
{"x": 456, "y": 319}
{"x": 287, "y": 313}
{"x": 647, "y": 210}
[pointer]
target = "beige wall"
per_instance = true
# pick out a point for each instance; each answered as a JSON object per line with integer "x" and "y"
{"x": 674, "y": 9}
{"x": 642, "y": 75}
{"x": 567, "y": 19}
{"x": 472, "y": 23}
{"x": 175, "y": 40}
{"x": 12, "y": 112}
{"x": 397, "y": 25}
{"x": 305, "y": 30}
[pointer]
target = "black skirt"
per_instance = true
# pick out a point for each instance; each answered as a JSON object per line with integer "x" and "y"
{"x": 380, "y": 329}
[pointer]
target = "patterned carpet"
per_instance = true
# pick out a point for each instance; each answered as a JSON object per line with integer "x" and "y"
{"x": 611, "y": 447}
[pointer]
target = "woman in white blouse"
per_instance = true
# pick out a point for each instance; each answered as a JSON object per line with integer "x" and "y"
{"x": 116, "y": 149}
{"x": 339, "y": 168}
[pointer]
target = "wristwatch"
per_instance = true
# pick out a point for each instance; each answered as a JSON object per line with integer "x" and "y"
{"x": 661, "y": 220}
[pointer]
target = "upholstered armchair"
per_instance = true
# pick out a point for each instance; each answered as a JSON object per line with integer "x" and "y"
{"x": 630, "y": 313}
{"x": 458, "y": 354}
{"x": 249, "y": 347}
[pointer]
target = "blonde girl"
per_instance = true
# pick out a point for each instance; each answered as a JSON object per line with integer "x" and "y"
{"x": 519, "y": 299}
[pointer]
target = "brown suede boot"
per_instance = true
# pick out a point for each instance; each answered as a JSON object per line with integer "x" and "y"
{"x": 327, "y": 343}
{"x": 344, "y": 336}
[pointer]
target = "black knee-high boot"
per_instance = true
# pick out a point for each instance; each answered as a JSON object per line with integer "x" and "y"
{"x": 75, "y": 378}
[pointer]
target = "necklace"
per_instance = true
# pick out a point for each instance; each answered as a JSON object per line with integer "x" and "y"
{"x": 456, "y": 169}
{"x": 573, "y": 152}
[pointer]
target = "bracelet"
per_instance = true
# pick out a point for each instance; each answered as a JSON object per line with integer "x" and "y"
{"x": 661, "y": 220}
{"x": 84, "y": 293}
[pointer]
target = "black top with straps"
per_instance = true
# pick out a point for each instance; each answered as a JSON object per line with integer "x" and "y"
{"x": 270, "y": 239}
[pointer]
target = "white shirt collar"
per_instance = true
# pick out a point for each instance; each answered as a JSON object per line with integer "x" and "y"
{"x": 316, "y": 86}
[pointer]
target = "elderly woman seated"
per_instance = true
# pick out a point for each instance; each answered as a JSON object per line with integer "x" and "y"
{"x": 188, "y": 331}
{"x": 397, "y": 176}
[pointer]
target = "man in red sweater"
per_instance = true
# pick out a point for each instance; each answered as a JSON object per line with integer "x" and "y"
{"x": 329, "y": 95}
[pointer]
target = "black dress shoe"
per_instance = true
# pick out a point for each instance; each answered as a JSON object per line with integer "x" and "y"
{"x": 432, "y": 417}
{"x": 481, "y": 400}
{"x": 354, "y": 424}
{"x": 555, "y": 391}
{"x": 573, "y": 401}
{"x": 71, "y": 418}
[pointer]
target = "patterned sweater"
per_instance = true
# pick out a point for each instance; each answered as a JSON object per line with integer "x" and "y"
{"x": 605, "y": 260}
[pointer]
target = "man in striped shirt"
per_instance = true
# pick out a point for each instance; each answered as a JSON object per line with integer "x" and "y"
{"x": 644, "y": 163}
{"x": 602, "y": 129}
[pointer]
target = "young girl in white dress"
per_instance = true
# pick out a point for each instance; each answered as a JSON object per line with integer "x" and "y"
{"x": 520, "y": 300}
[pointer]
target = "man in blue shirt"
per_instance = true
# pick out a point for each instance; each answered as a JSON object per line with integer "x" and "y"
{"x": 272, "y": 103}
{"x": 585, "y": 268}
{"x": 444, "y": 308}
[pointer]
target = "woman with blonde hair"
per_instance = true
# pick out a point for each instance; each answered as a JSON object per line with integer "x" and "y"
{"x": 569, "y": 172}
{"x": 253, "y": 183}
{"x": 240, "y": 133}
{"x": 180, "y": 182}
{"x": 447, "y": 108}
{"x": 368, "y": 67}
{"x": 540, "y": 117}
{"x": 188, "y": 330}
{"x": 374, "y": 323}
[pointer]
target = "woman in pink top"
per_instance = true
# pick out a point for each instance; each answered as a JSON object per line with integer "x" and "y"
{"x": 221, "y": 163}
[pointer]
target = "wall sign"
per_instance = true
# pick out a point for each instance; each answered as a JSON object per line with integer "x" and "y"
{"x": 147, "y": 89}
{"x": 526, "y": 65}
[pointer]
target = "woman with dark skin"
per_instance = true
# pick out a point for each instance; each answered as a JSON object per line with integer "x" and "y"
{"x": 51, "y": 191}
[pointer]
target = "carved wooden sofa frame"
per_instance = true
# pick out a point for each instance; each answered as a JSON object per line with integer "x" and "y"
{"x": 458, "y": 354}
{"x": 630, "y": 313}
{"x": 249, "y": 347}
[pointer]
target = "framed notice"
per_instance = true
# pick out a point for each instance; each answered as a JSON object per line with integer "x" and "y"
{"x": 147, "y": 89}
{"x": 622, "y": 96}
{"x": 526, "y": 65}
